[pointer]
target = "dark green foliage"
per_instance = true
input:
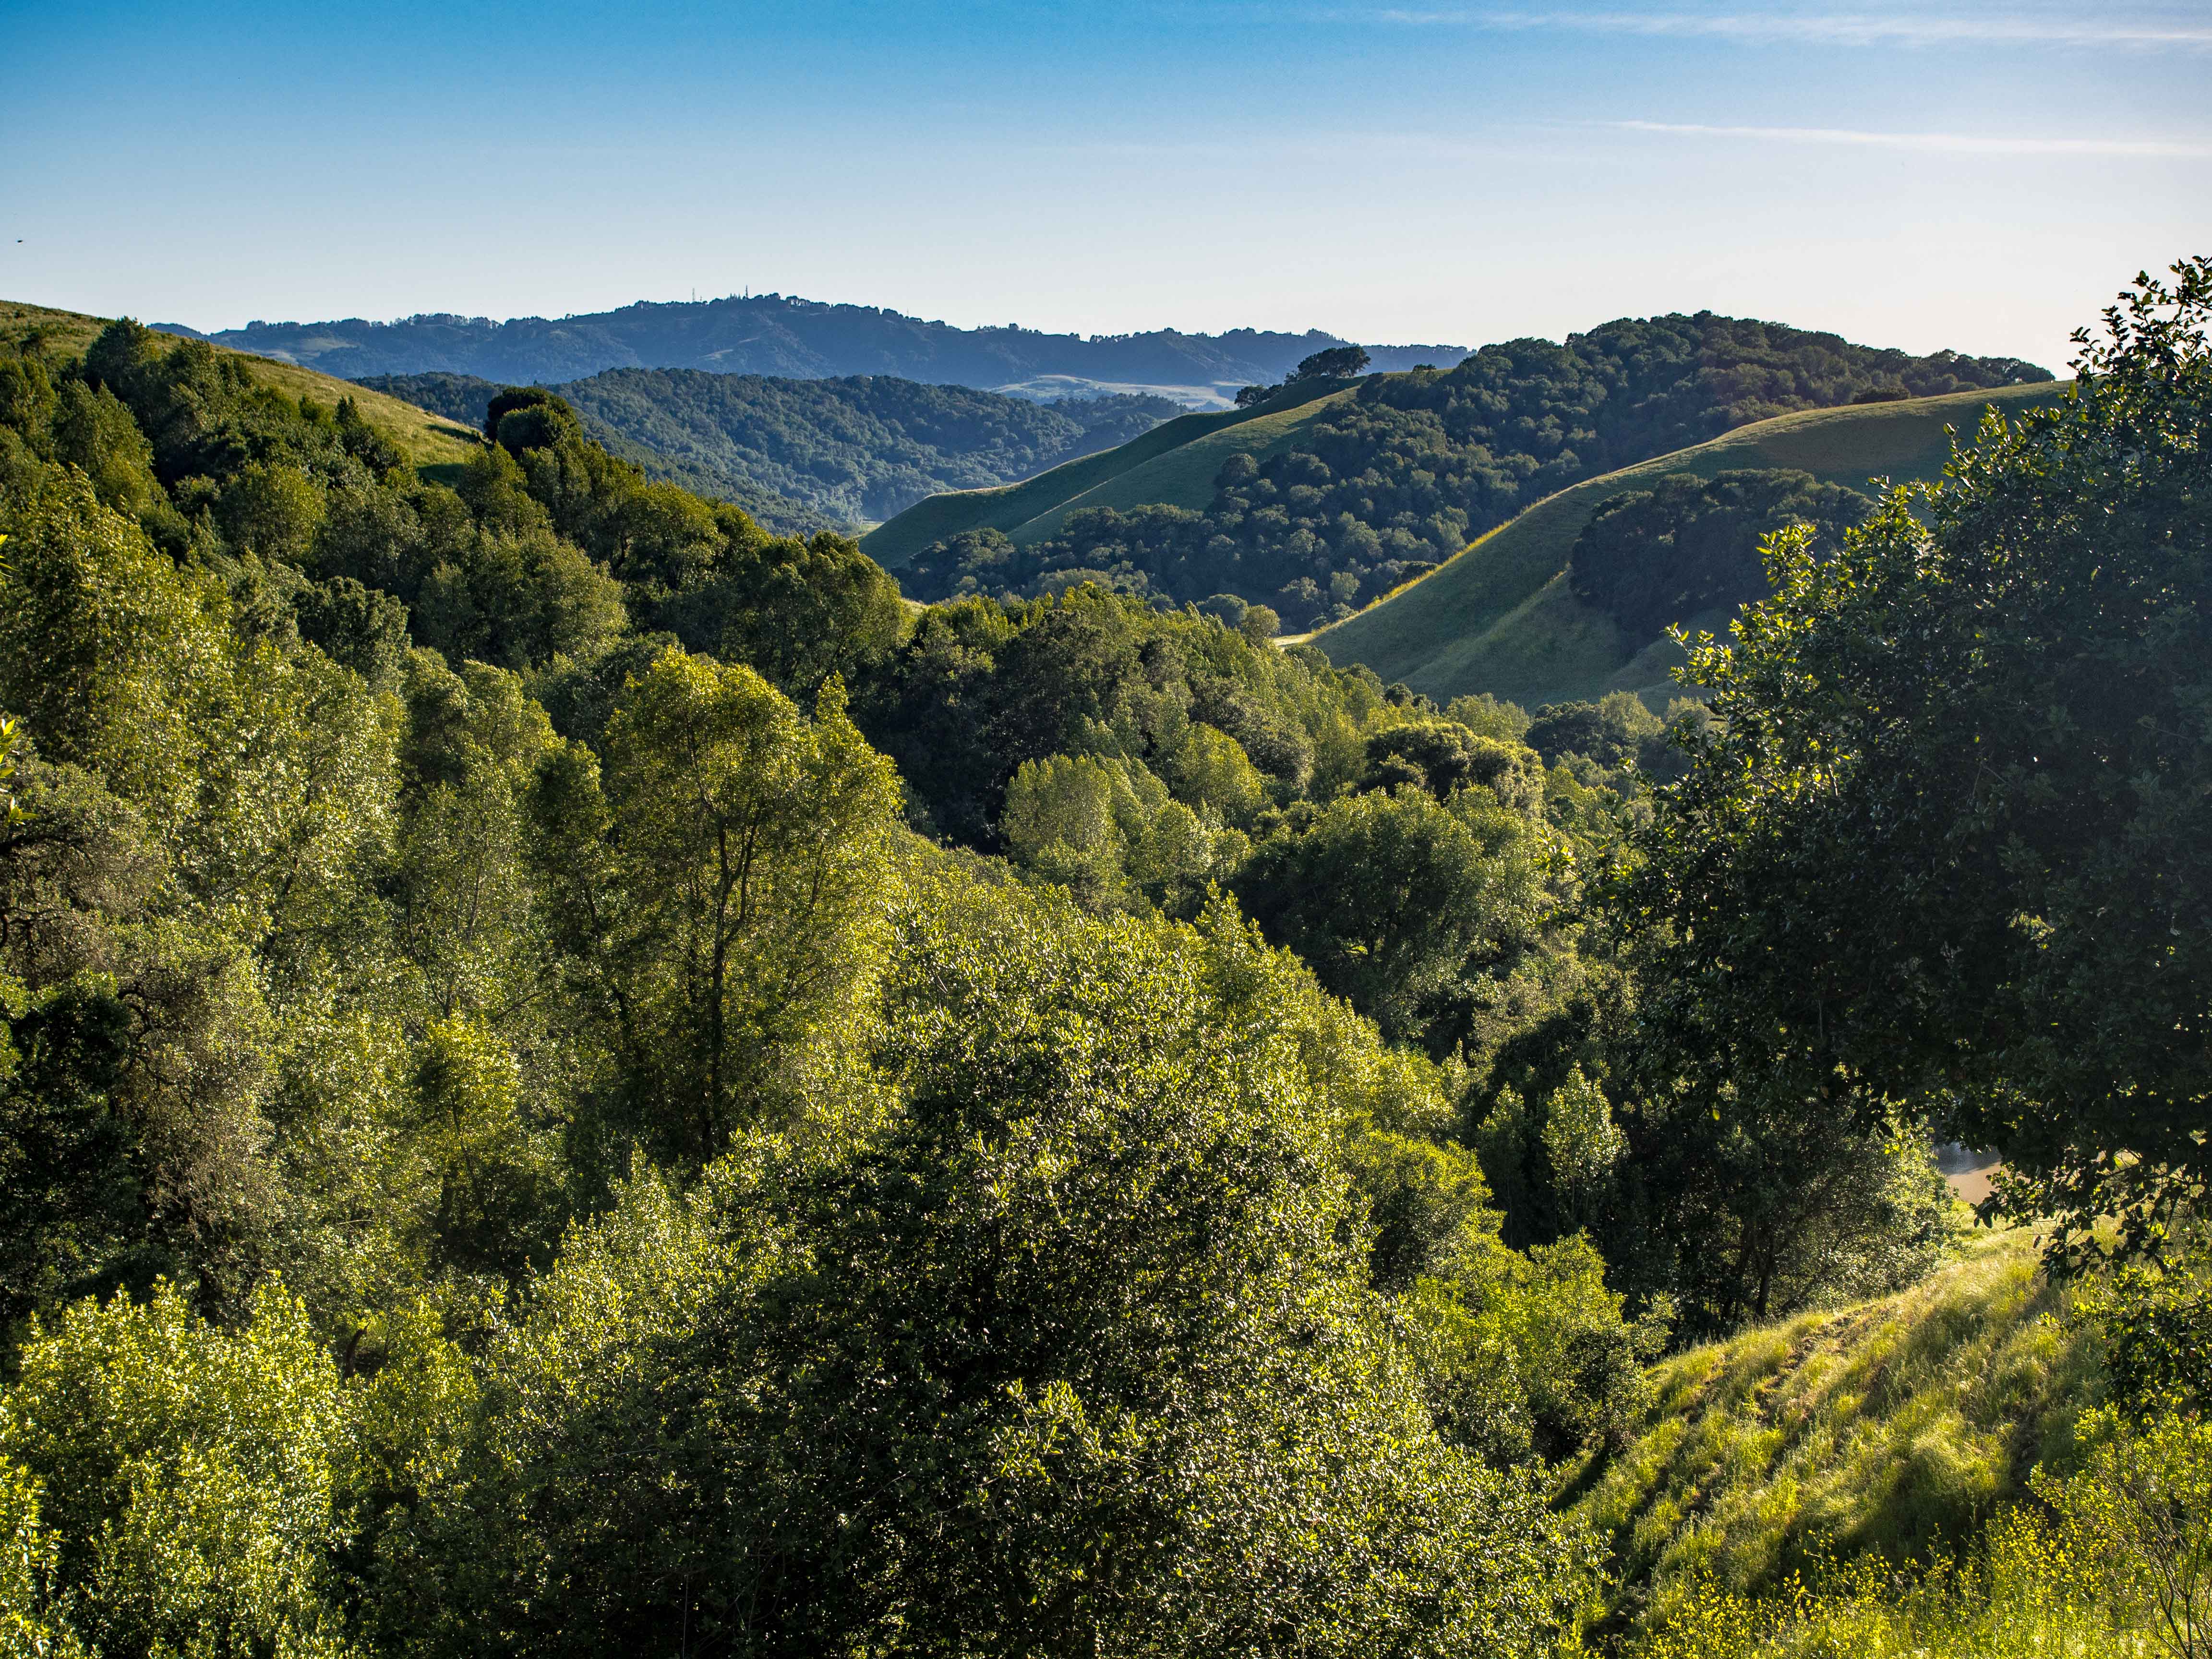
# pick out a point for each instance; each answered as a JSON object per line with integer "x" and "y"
{"x": 1968, "y": 876}
{"x": 798, "y": 612}
{"x": 1609, "y": 733}
{"x": 69, "y": 1192}
{"x": 1331, "y": 363}
{"x": 1441, "y": 757}
{"x": 2157, "y": 1322}
{"x": 1774, "y": 1204}
{"x": 1407, "y": 471}
{"x": 1650, "y": 558}
{"x": 203, "y": 412}
{"x": 505, "y": 402}
{"x": 364, "y": 442}
{"x": 1393, "y": 898}
{"x": 363, "y": 628}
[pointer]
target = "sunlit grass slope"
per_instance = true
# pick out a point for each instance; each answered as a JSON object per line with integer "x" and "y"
{"x": 429, "y": 439}
{"x": 1897, "y": 1425}
{"x": 1174, "y": 464}
{"x": 1500, "y": 618}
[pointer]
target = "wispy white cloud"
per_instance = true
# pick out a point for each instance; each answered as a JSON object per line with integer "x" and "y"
{"x": 1857, "y": 29}
{"x": 1962, "y": 142}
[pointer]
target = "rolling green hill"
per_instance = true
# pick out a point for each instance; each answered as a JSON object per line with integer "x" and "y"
{"x": 1501, "y": 617}
{"x": 430, "y": 440}
{"x": 1898, "y": 1425}
{"x": 1315, "y": 514}
{"x": 1174, "y": 463}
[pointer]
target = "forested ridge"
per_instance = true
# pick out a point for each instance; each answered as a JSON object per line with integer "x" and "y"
{"x": 810, "y": 455}
{"x": 581, "y": 1077}
{"x": 1405, "y": 473}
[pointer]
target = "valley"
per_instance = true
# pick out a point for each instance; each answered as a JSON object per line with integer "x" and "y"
{"x": 803, "y": 455}
{"x": 592, "y": 1063}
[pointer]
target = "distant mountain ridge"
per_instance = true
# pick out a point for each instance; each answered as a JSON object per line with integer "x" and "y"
{"x": 774, "y": 334}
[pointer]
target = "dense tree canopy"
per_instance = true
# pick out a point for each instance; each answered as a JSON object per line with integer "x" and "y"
{"x": 579, "y": 1077}
{"x": 1690, "y": 546}
{"x": 475, "y": 1039}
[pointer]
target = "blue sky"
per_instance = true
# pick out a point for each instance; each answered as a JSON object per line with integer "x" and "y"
{"x": 1946, "y": 172}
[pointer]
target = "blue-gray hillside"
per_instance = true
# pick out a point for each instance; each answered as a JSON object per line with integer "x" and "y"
{"x": 774, "y": 334}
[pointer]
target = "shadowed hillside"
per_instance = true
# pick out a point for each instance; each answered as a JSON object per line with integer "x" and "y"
{"x": 799, "y": 454}
{"x": 1174, "y": 465}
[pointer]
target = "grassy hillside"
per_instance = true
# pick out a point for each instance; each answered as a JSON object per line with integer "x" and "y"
{"x": 1894, "y": 1426}
{"x": 1173, "y": 463}
{"x": 1500, "y": 618}
{"x": 1183, "y": 476}
{"x": 430, "y": 440}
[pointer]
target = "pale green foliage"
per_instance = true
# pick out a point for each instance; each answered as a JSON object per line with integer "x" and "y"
{"x": 28, "y": 1556}
{"x": 2019, "y": 1594}
{"x": 747, "y": 887}
{"x": 2141, "y": 1513}
{"x": 1530, "y": 1352}
{"x": 266, "y": 771}
{"x": 464, "y": 913}
{"x": 1490, "y": 717}
{"x": 102, "y": 643}
{"x": 95, "y": 433}
{"x": 191, "y": 1476}
{"x": 1583, "y": 1148}
{"x": 1060, "y": 821}
{"x": 205, "y": 867}
{"x": 10, "y": 734}
{"x": 1210, "y": 771}
{"x": 350, "y": 1151}
{"x": 1128, "y": 1186}
{"x": 1106, "y": 828}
